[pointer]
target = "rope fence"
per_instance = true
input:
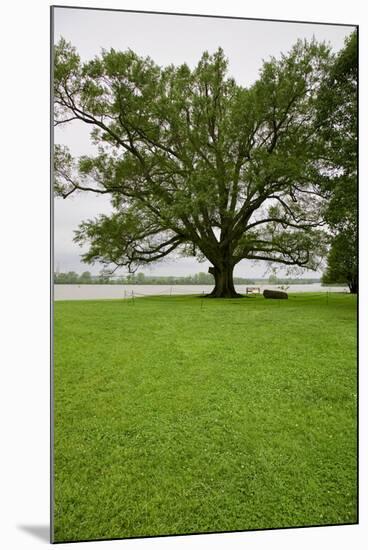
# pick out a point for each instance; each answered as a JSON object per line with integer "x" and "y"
{"x": 171, "y": 296}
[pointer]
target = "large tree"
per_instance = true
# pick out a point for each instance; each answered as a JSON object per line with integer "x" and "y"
{"x": 194, "y": 162}
{"x": 342, "y": 261}
{"x": 338, "y": 103}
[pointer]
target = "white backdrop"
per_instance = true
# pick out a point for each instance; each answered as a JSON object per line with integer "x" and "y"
{"x": 24, "y": 305}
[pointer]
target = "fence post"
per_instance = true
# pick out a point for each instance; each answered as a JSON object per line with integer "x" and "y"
{"x": 133, "y": 297}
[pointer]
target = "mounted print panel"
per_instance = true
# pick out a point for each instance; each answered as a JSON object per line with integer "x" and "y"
{"x": 205, "y": 274}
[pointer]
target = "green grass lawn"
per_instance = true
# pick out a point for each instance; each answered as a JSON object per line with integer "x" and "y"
{"x": 177, "y": 415}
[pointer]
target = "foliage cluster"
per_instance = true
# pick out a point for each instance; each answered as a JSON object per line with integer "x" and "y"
{"x": 194, "y": 163}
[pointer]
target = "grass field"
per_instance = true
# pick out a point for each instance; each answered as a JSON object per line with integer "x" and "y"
{"x": 177, "y": 415}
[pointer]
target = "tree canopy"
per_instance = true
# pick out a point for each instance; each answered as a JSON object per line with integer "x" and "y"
{"x": 195, "y": 163}
{"x": 342, "y": 261}
{"x": 338, "y": 109}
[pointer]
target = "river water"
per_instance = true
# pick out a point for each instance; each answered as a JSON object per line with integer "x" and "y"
{"x": 106, "y": 292}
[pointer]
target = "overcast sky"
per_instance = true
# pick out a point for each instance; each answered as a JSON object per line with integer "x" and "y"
{"x": 166, "y": 39}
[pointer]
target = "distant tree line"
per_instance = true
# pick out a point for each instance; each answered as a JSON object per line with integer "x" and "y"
{"x": 71, "y": 277}
{"x": 139, "y": 278}
{"x": 274, "y": 280}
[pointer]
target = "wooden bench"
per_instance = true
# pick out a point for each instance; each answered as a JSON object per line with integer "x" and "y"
{"x": 253, "y": 290}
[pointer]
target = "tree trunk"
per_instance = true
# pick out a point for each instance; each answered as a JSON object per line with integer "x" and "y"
{"x": 224, "y": 284}
{"x": 353, "y": 285}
